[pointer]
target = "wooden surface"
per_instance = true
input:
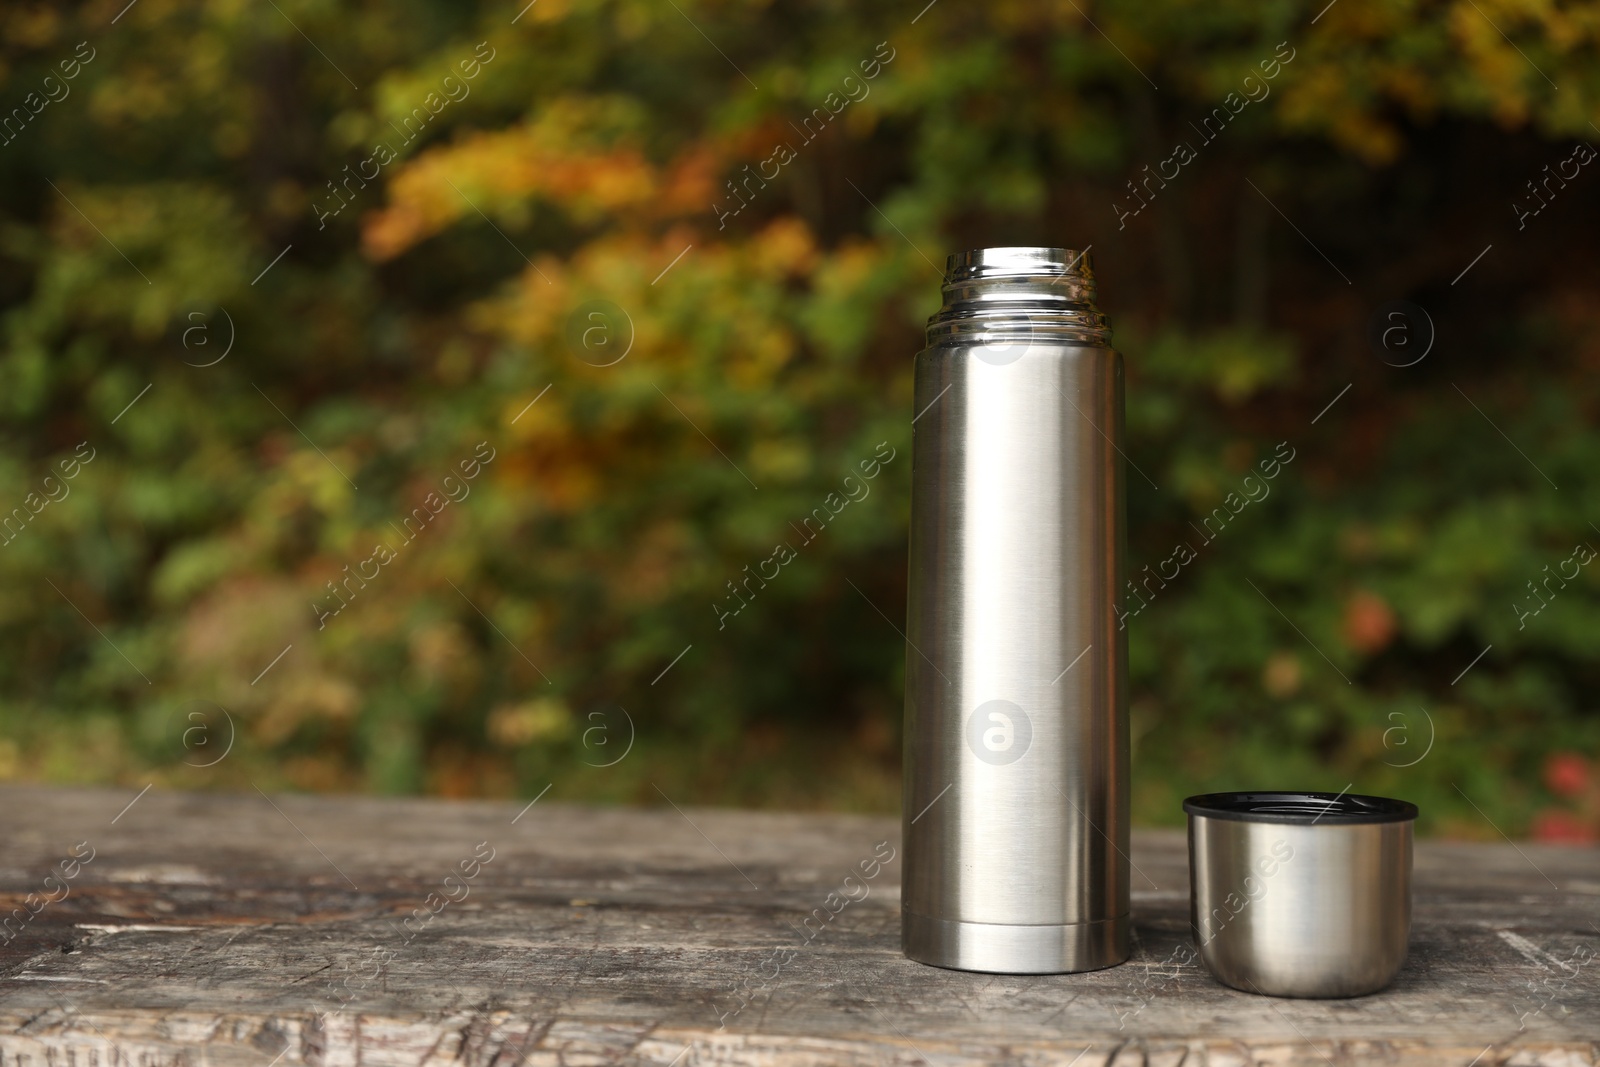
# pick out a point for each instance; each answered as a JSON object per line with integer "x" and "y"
{"x": 243, "y": 930}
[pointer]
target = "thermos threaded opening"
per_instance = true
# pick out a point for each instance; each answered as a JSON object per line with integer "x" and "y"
{"x": 1019, "y": 293}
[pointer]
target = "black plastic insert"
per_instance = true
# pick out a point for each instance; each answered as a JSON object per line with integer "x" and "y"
{"x": 1300, "y": 808}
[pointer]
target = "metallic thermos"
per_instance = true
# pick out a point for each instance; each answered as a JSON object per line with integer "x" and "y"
{"x": 1016, "y": 742}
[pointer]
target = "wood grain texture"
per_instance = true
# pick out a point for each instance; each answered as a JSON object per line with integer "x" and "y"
{"x": 244, "y": 931}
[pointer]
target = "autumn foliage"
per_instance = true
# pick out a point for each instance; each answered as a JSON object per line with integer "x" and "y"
{"x": 669, "y": 263}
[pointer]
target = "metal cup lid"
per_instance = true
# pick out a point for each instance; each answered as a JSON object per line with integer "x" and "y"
{"x": 1300, "y": 894}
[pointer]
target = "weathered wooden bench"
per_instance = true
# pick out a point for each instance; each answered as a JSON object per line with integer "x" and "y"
{"x": 192, "y": 929}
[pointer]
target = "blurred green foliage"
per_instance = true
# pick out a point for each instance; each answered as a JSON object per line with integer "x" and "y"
{"x": 567, "y": 605}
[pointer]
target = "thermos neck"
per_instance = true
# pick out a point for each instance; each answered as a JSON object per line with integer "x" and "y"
{"x": 1003, "y": 294}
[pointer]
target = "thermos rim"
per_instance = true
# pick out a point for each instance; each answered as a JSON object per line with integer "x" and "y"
{"x": 1017, "y": 261}
{"x": 1300, "y": 808}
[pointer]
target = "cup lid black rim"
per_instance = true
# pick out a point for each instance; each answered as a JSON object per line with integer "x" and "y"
{"x": 1299, "y": 807}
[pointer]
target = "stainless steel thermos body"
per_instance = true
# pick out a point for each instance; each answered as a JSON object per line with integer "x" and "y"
{"x": 1016, "y": 741}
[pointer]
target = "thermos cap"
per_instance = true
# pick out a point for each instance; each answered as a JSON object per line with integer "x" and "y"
{"x": 1300, "y": 894}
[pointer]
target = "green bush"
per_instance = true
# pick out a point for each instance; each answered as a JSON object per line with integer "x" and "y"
{"x": 665, "y": 316}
